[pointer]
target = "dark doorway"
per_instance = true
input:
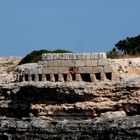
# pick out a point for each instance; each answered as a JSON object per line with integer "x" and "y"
{"x": 33, "y": 77}
{"x": 26, "y": 77}
{"x": 98, "y": 76}
{"x": 48, "y": 77}
{"x": 56, "y": 77}
{"x": 108, "y": 75}
{"x": 73, "y": 77}
{"x": 40, "y": 77}
{"x": 86, "y": 77}
{"x": 65, "y": 77}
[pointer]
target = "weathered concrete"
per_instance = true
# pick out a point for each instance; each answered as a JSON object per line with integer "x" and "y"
{"x": 73, "y": 56}
{"x": 88, "y": 67}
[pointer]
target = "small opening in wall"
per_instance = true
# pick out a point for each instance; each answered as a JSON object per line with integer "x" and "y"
{"x": 98, "y": 76}
{"x": 40, "y": 77}
{"x": 65, "y": 77}
{"x": 108, "y": 75}
{"x": 56, "y": 77}
{"x": 86, "y": 77}
{"x": 20, "y": 78}
{"x": 73, "y": 77}
{"x": 48, "y": 77}
{"x": 26, "y": 77}
{"x": 33, "y": 77}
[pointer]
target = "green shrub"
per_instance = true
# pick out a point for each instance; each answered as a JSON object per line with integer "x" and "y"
{"x": 112, "y": 55}
{"x": 36, "y": 56}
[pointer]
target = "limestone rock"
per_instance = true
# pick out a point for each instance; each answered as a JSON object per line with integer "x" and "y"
{"x": 114, "y": 114}
{"x": 7, "y": 65}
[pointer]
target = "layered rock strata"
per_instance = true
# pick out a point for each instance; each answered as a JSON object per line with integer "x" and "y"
{"x": 70, "y": 110}
{"x": 127, "y": 128}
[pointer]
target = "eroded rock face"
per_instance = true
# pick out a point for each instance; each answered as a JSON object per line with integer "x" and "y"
{"x": 97, "y": 129}
{"x": 69, "y": 99}
{"x": 7, "y": 66}
{"x": 129, "y": 68}
{"x": 70, "y": 111}
{"x": 75, "y": 110}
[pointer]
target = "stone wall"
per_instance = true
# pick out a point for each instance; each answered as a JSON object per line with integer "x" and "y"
{"x": 73, "y": 56}
{"x": 63, "y": 67}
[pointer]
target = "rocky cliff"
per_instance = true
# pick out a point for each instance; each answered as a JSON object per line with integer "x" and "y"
{"x": 126, "y": 128}
{"x": 70, "y": 110}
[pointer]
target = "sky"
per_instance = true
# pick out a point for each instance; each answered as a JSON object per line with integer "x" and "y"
{"x": 75, "y": 25}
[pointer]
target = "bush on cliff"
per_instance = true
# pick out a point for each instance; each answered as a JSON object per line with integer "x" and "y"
{"x": 36, "y": 56}
{"x": 113, "y": 54}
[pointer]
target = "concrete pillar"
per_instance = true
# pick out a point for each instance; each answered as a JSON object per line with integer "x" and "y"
{"x": 43, "y": 77}
{"x": 69, "y": 77}
{"x": 23, "y": 77}
{"x": 29, "y": 77}
{"x": 52, "y": 78}
{"x": 93, "y": 78}
{"x": 103, "y": 77}
{"x": 36, "y": 77}
{"x": 78, "y": 77}
{"x": 60, "y": 78}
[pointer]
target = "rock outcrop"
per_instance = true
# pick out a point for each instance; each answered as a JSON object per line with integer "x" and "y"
{"x": 77, "y": 110}
{"x": 129, "y": 68}
{"x": 7, "y": 66}
{"x": 98, "y": 129}
{"x": 72, "y": 110}
{"x": 75, "y": 99}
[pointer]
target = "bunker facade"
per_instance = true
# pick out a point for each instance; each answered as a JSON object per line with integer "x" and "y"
{"x": 69, "y": 67}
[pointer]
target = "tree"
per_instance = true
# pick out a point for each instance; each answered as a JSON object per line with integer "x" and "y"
{"x": 130, "y": 45}
{"x": 36, "y": 56}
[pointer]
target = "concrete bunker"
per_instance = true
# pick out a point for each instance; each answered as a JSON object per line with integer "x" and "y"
{"x": 87, "y": 67}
